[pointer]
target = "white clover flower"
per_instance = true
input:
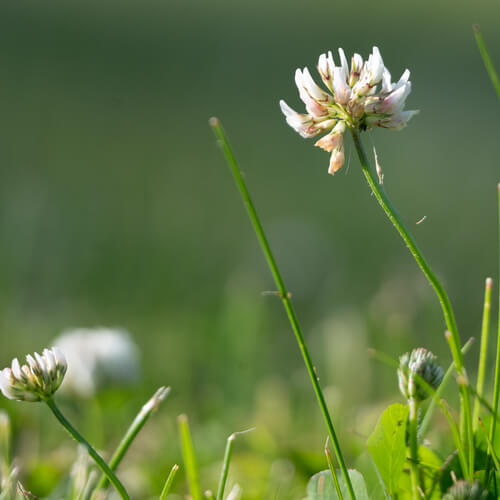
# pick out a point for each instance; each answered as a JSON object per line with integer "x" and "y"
{"x": 38, "y": 379}
{"x": 361, "y": 97}
{"x": 98, "y": 358}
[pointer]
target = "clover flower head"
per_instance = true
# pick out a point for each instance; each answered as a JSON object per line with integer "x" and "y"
{"x": 463, "y": 490}
{"x": 418, "y": 365}
{"x": 38, "y": 379}
{"x": 98, "y": 357}
{"x": 360, "y": 97}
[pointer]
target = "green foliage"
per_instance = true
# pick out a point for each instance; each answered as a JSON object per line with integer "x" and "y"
{"x": 321, "y": 486}
{"x": 387, "y": 445}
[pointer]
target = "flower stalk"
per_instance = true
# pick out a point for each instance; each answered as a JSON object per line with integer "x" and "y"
{"x": 93, "y": 453}
{"x": 285, "y": 296}
{"x": 452, "y": 336}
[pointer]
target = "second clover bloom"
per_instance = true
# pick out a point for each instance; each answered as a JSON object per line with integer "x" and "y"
{"x": 360, "y": 97}
{"x": 38, "y": 379}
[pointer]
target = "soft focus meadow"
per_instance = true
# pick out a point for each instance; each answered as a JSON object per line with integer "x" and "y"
{"x": 117, "y": 212}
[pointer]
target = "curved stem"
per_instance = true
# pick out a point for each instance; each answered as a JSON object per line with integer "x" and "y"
{"x": 97, "y": 458}
{"x": 283, "y": 293}
{"x": 453, "y": 338}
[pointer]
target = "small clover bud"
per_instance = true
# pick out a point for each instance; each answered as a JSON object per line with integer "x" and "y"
{"x": 463, "y": 490}
{"x": 38, "y": 379}
{"x": 419, "y": 364}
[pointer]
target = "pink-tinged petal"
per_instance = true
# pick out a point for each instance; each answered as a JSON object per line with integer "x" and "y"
{"x": 329, "y": 142}
{"x": 299, "y": 122}
{"x": 312, "y": 106}
{"x": 336, "y": 160}
{"x": 395, "y": 101}
{"x": 324, "y": 71}
{"x": 398, "y": 121}
{"x": 356, "y": 67}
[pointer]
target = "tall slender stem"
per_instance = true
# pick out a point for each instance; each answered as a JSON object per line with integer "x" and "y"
{"x": 97, "y": 458}
{"x": 453, "y": 337}
{"x": 285, "y": 296}
{"x": 496, "y": 389}
{"x": 483, "y": 355}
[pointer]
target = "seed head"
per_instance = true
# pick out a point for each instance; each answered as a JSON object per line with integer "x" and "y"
{"x": 362, "y": 97}
{"x": 419, "y": 364}
{"x": 38, "y": 379}
{"x": 463, "y": 490}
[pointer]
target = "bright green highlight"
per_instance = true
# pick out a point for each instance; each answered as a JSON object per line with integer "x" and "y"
{"x": 189, "y": 458}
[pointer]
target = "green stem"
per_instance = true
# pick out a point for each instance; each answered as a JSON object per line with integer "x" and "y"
{"x": 485, "y": 330}
{"x": 453, "y": 337}
{"x": 97, "y": 458}
{"x": 487, "y": 59}
{"x": 413, "y": 438}
{"x": 496, "y": 389}
{"x": 134, "y": 429}
{"x": 285, "y": 296}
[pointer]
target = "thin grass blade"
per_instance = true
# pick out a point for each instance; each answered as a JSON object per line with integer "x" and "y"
{"x": 490, "y": 68}
{"x": 189, "y": 456}
{"x": 168, "y": 483}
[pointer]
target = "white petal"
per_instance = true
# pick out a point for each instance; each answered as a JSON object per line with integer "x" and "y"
{"x": 340, "y": 88}
{"x": 16, "y": 369}
{"x": 386, "y": 81}
{"x": 343, "y": 61}
{"x": 310, "y": 85}
{"x": 376, "y": 67}
{"x": 5, "y": 386}
{"x": 60, "y": 359}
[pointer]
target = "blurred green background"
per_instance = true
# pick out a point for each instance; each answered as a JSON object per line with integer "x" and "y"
{"x": 116, "y": 209}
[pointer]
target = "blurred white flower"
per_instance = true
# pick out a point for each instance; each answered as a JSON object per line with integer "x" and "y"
{"x": 36, "y": 380}
{"x": 235, "y": 493}
{"x": 97, "y": 358}
{"x": 353, "y": 100}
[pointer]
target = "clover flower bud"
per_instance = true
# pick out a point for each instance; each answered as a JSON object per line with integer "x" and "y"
{"x": 418, "y": 365}
{"x": 463, "y": 490}
{"x": 361, "y": 97}
{"x": 38, "y": 379}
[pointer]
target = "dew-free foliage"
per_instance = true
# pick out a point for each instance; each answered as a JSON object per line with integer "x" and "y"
{"x": 321, "y": 487}
{"x": 387, "y": 445}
